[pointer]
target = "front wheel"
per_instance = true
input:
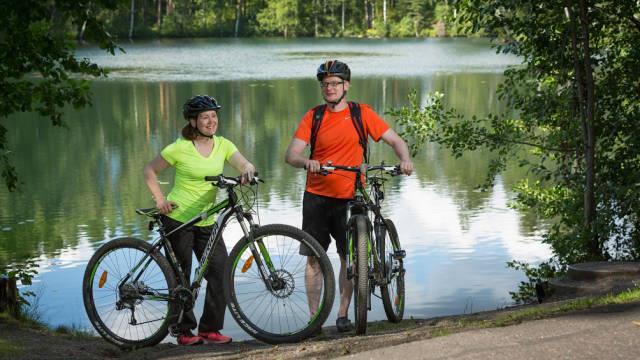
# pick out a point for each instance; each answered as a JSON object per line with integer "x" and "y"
{"x": 393, "y": 291}
{"x": 361, "y": 276}
{"x": 297, "y": 296}
{"x": 132, "y": 313}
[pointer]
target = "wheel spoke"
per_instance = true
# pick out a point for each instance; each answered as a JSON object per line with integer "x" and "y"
{"x": 281, "y": 308}
{"x": 110, "y": 266}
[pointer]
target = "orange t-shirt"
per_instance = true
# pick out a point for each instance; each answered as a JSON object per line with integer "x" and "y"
{"x": 337, "y": 141}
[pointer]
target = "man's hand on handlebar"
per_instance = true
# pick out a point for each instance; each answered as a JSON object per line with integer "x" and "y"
{"x": 406, "y": 167}
{"x": 312, "y": 166}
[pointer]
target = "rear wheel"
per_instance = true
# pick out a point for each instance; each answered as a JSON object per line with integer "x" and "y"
{"x": 393, "y": 291}
{"x": 292, "y": 305}
{"x": 361, "y": 276}
{"x": 137, "y": 312}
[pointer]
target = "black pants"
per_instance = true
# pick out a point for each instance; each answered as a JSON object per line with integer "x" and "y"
{"x": 195, "y": 239}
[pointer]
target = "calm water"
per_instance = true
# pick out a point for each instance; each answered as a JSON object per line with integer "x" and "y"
{"x": 81, "y": 185}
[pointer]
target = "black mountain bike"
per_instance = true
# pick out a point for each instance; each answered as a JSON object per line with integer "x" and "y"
{"x": 135, "y": 292}
{"x": 374, "y": 255}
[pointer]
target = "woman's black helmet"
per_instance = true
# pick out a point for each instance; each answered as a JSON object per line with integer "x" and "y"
{"x": 198, "y": 104}
{"x": 334, "y": 68}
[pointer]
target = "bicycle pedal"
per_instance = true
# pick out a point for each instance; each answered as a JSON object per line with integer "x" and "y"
{"x": 399, "y": 254}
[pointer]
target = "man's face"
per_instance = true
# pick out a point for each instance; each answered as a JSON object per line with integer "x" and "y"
{"x": 333, "y": 88}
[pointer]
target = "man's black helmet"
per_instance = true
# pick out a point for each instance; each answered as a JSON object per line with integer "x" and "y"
{"x": 198, "y": 104}
{"x": 334, "y": 68}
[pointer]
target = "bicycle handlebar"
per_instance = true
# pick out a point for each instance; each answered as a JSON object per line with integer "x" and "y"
{"x": 222, "y": 181}
{"x": 391, "y": 170}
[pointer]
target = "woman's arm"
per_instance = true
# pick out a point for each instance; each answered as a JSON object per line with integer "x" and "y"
{"x": 243, "y": 165}
{"x": 151, "y": 171}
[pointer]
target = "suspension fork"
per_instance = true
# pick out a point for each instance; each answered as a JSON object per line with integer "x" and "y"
{"x": 259, "y": 253}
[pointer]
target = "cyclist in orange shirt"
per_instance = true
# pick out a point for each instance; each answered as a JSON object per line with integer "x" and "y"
{"x": 337, "y": 131}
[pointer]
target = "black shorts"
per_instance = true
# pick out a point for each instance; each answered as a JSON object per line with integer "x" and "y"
{"x": 323, "y": 217}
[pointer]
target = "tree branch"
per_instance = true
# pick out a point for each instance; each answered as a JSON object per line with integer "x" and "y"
{"x": 539, "y": 146}
{"x": 634, "y": 21}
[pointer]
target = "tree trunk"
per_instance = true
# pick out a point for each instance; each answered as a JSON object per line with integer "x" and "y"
{"x": 81, "y": 32}
{"x": 239, "y": 6}
{"x": 384, "y": 12}
{"x": 159, "y": 14}
{"x": 589, "y": 196}
{"x": 373, "y": 15}
{"x": 132, "y": 19}
{"x": 342, "y": 28}
{"x": 367, "y": 19}
{"x": 585, "y": 90}
{"x": 9, "y": 296}
{"x": 170, "y": 7}
{"x": 143, "y": 14}
{"x": 315, "y": 18}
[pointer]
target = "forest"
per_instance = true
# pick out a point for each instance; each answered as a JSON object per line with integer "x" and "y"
{"x": 285, "y": 18}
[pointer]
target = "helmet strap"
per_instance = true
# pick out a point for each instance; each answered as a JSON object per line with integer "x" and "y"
{"x": 333, "y": 104}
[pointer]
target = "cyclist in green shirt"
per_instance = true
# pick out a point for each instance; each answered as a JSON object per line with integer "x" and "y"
{"x": 197, "y": 154}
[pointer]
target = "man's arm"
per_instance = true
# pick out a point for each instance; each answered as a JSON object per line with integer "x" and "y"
{"x": 294, "y": 156}
{"x": 400, "y": 148}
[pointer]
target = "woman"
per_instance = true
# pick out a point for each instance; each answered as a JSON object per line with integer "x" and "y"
{"x": 196, "y": 154}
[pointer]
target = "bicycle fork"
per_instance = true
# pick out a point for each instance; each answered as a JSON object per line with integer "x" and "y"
{"x": 259, "y": 253}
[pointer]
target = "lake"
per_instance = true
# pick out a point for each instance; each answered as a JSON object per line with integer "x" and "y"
{"x": 81, "y": 185}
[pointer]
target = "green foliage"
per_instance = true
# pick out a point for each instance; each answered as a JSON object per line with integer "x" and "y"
{"x": 576, "y": 97}
{"x": 38, "y": 70}
{"x": 24, "y": 273}
{"x": 180, "y": 18}
{"x": 280, "y": 17}
{"x": 536, "y": 276}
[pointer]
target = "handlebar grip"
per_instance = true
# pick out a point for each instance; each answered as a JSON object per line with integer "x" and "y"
{"x": 212, "y": 178}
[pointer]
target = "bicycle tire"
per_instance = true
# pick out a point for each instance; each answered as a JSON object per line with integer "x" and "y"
{"x": 242, "y": 281}
{"x": 361, "y": 276}
{"x": 111, "y": 262}
{"x": 394, "y": 309}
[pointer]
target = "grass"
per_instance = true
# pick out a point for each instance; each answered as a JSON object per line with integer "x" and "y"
{"x": 503, "y": 317}
{"x": 74, "y": 330}
{"x": 542, "y": 312}
{"x": 7, "y": 349}
{"x": 31, "y": 317}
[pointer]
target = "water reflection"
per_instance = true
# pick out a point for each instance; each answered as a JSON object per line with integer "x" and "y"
{"x": 232, "y": 59}
{"x": 82, "y": 185}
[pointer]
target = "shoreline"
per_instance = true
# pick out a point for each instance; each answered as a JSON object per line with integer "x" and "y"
{"x": 24, "y": 341}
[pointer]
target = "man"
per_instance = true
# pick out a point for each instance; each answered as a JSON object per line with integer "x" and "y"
{"x": 338, "y": 134}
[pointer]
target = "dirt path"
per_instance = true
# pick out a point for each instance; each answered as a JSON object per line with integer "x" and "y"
{"x": 607, "y": 333}
{"x": 20, "y": 342}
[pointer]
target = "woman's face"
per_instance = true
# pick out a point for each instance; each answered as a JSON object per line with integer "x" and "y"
{"x": 207, "y": 122}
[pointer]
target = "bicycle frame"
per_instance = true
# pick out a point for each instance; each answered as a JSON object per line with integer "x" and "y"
{"x": 226, "y": 208}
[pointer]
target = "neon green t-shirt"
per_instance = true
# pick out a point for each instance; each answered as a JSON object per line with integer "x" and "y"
{"x": 192, "y": 194}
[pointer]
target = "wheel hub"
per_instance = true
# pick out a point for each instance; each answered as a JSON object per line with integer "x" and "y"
{"x": 282, "y": 284}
